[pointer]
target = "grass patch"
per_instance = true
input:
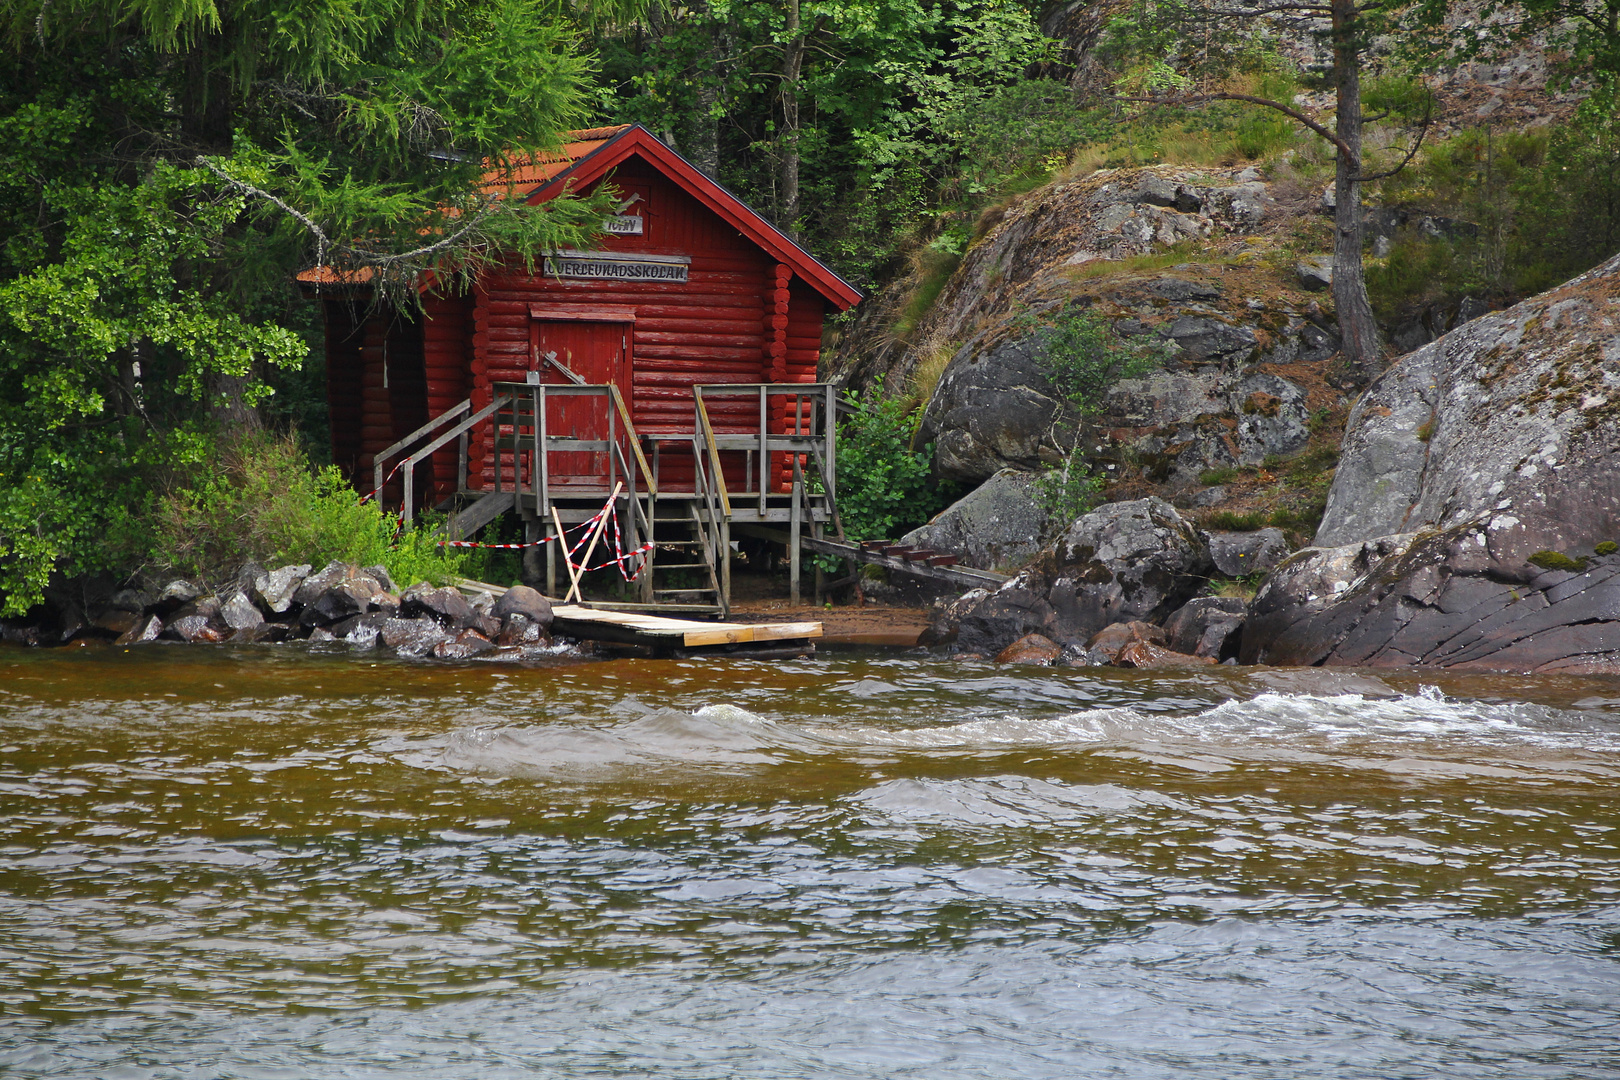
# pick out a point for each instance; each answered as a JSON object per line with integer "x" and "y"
{"x": 932, "y": 267}
{"x": 1237, "y": 521}
{"x": 1216, "y": 477}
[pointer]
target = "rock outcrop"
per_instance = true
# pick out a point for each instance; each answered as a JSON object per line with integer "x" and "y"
{"x": 1247, "y": 346}
{"x": 1477, "y": 500}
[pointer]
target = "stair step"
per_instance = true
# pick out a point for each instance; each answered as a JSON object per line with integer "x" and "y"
{"x": 683, "y": 592}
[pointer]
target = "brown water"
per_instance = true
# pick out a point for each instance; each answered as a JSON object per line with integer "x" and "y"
{"x": 273, "y": 862}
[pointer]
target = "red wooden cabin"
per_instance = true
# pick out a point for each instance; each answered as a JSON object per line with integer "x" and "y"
{"x": 690, "y": 288}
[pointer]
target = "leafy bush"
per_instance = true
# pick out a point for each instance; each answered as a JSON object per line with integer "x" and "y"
{"x": 1066, "y": 491}
{"x": 1082, "y": 357}
{"x": 885, "y": 488}
{"x": 257, "y": 499}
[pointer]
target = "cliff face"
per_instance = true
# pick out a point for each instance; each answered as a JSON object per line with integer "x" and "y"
{"x": 1473, "y": 519}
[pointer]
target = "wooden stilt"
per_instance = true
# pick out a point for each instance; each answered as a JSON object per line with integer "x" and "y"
{"x": 590, "y": 549}
{"x": 568, "y": 560}
{"x": 795, "y": 524}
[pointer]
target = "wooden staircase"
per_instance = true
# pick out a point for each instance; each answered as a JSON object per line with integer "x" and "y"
{"x": 786, "y": 490}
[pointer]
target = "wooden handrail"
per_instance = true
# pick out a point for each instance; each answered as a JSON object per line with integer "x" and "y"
{"x": 634, "y": 439}
{"x": 714, "y": 452}
{"x": 449, "y": 414}
{"x": 410, "y": 463}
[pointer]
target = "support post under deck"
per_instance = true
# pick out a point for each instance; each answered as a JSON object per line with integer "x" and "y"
{"x": 795, "y": 523}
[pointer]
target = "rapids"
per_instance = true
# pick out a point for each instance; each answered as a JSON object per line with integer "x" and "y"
{"x": 299, "y": 862}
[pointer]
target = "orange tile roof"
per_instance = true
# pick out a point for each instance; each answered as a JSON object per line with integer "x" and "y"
{"x": 518, "y": 178}
{"x": 524, "y": 175}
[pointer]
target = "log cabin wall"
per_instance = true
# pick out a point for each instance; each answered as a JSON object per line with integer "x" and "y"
{"x": 446, "y": 354}
{"x": 751, "y": 310}
{"x": 714, "y": 328}
{"x": 344, "y": 407}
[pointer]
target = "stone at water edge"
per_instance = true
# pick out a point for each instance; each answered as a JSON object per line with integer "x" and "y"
{"x": 412, "y": 637}
{"x": 518, "y": 629}
{"x": 198, "y": 622}
{"x": 522, "y": 600}
{"x": 239, "y": 613}
{"x": 1030, "y": 649}
{"x": 350, "y": 596}
{"x": 1460, "y": 464}
{"x": 997, "y": 524}
{"x": 444, "y": 605}
{"x": 1209, "y": 626}
{"x": 274, "y": 590}
{"x": 1122, "y": 561}
{"x": 1145, "y": 654}
{"x": 467, "y": 644}
{"x": 146, "y": 630}
{"x": 1106, "y": 645}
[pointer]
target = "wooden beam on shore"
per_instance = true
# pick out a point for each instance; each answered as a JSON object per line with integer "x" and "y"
{"x": 634, "y": 628}
{"x": 957, "y": 575}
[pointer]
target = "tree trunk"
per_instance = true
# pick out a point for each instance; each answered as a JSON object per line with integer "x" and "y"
{"x": 788, "y": 170}
{"x": 705, "y": 145}
{"x": 1357, "y": 328}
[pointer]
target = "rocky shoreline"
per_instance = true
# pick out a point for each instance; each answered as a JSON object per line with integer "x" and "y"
{"x": 341, "y": 602}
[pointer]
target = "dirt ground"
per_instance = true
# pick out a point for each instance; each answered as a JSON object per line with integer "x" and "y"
{"x": 764, "y": 598}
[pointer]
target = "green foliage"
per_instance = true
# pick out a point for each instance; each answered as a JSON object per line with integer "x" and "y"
{"x": 1066, "y": 491}
{"x": 1082, "y": 357}
{"x": 1215, "y": 477}
{"x": 885, "y": 488}
{"x": 1606, "y": 547}
{"x": 166, "y": 168}
{"x": 258, "y": 499}
{"x": 1538, "y": 207}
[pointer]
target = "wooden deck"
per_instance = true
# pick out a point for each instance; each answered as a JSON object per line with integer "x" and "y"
{"x": 634, "y": 628}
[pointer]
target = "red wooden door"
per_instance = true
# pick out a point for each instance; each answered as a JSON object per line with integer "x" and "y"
{"x": 597, "y": 352}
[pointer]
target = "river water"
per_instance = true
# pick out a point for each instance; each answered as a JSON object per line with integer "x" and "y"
{"x": 279, "y": 862}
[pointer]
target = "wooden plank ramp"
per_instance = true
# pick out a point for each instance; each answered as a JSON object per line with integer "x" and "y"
{"x": 657, "y": 631}
{"x": 636, "y": 628}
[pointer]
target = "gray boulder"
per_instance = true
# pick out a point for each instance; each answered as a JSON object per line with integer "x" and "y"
{"x": 1272, "y": 415}
{"x": 997, "y": 524}
{"x": 446, "y": 606}
{"x": 1210, "y": 626}
{"x": 1126, "y": 561}
{"x": 1316, "y": 272}
{"x": 274, "y": 590}
{"x": 351, "y": 595}
{"x": 313, "y": 585}
{"x": 524, "y": 601}
{"x": 995, "y": 409}
{"x": 147, "y": 629}
{"x": 1208, "y": 340}
{"x": 465, "y": 645}
{"x": 1238, "y": 554}
{"x": 412, "y": 637}
{"x": 198, "y": 621}
{"x": 1439, "y": 599}
{"x": 238, "y": 611}
{"x": 176, "y": 594}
